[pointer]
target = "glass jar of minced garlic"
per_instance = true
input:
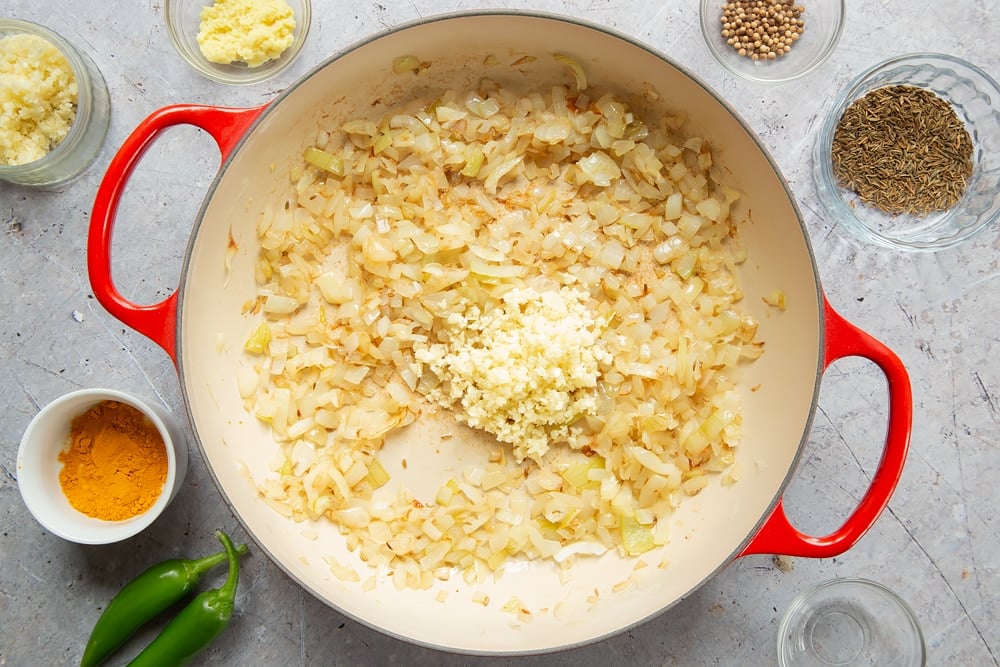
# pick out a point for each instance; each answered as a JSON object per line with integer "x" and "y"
{"x": 60, "y": 102}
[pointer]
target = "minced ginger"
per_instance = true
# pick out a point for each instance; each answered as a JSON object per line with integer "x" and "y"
{"x": 524, "y": 371}
{"x": 248, "y": 31}
{"x": 38, "y": 96}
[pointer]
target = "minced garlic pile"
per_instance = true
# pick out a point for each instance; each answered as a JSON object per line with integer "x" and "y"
{"x": 524, "y": 371}
{"x": 38, "y": 94}
{"x": 248, "y": 31}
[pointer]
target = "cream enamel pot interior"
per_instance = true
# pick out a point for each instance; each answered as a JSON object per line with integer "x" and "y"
{"x": 710, "y": 530}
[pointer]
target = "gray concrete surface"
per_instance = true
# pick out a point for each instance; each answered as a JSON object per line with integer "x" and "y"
{"x": 937, "y": 545}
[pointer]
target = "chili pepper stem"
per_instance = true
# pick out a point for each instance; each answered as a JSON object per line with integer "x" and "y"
{"x": 202, "y": 565}
{"x": 228, "y": 588}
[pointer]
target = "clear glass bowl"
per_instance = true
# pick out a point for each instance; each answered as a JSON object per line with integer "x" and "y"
{"x": 824, "y": 24}
{"x": 83, "y": 143}
{"x": 183, "y": 18}
{"x": 975, "y": 97}
{"x": 850, "y": 622}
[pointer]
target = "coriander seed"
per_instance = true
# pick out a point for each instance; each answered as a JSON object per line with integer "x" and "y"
{"x": 762, "y": 29}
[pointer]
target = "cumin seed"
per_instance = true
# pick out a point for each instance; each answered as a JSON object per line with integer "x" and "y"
{"x": 904, "y": 150}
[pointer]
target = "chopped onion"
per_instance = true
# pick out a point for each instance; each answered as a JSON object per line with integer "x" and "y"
{"x": 397, "y": 235}
{"x": 485, "y": 270}
{"x": 259, "y": 340}
{"x": 324, "y": 160}
{"x": 404, "y": 64}
{"x": 275, "y": 304}
{"x": 636, "y": 538}
{"x": 578, "y": 73}
{"x": 599, "y": 168}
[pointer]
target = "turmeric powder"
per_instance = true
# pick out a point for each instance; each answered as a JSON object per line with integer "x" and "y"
{"x": 115, "y": 463}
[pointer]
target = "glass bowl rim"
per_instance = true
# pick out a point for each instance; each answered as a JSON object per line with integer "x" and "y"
{"x": 257, "y": 74}
{"x": 834, "y": 205}
{"x": 84, "y": 79}
{"x": 822, "y": 57}
{"x": 798, "y": 605}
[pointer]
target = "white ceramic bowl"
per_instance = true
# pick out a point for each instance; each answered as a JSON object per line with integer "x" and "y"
{"x": 183, "y": 18}
{"x": 38, "y": 468}
{"x": 824, "y": 23}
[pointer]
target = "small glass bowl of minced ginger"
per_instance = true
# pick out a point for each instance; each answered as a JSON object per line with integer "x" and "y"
{"x": 238, "y": 41}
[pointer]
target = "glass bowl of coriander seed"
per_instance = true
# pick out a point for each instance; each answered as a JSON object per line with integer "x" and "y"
{"x": 909, "y": 156}
{"x": 772, "y": 41}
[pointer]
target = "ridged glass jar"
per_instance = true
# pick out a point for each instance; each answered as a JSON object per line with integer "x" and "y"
{"x": 975, "y": 97}
{"x": 83, "y": 143}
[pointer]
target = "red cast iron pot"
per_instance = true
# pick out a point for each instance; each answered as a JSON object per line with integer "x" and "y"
{"x": 780, "y": 390}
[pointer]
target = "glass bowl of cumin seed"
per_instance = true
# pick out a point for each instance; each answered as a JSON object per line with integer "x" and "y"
{"x": 909, "y": 156}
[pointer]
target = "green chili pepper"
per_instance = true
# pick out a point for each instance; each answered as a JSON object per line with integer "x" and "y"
{"x": 149, "y": 594}
{"x": 197, "y": 624}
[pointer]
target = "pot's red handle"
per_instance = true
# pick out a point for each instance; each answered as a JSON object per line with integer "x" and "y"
{"x": 778, "y": 535}
{"x": 156, "y": 321}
